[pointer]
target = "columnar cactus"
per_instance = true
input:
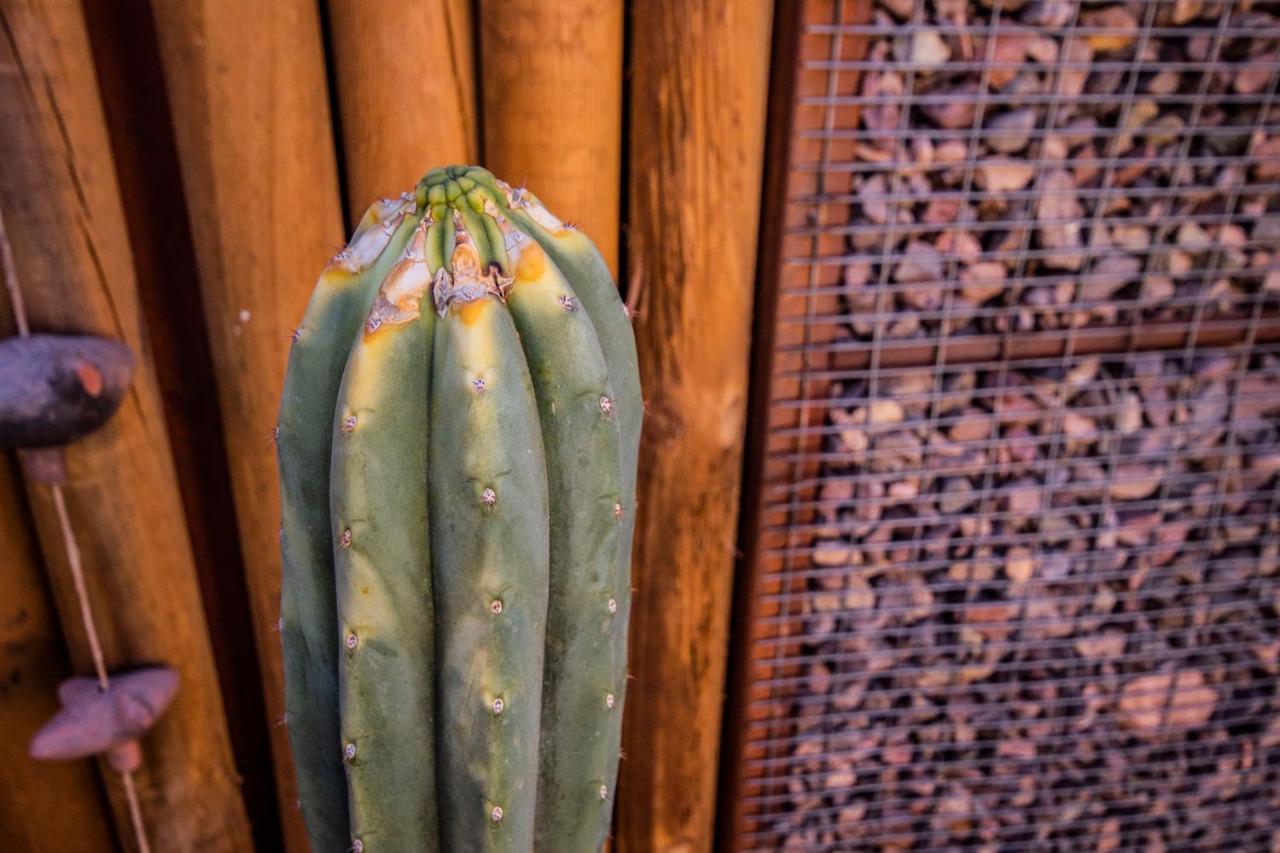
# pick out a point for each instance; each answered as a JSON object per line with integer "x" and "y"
{"x": 458, "y": 441}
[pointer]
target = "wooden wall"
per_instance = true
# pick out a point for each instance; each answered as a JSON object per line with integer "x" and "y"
{"x": 176, "y": 172}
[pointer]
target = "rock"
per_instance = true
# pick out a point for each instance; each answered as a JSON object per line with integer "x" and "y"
{"x": 1078, "y": 426}
{"x": 941, "y": 211}
{"x": 1163, "y": 82}
{"x": 854, "y": 439}
{"x": 950, "y": 151}
{"x": 957, "y": 110}
{"x": 922, "y": 150}
{"x": 1131, "y": 238}
{"x": 1185, "y": 11}
{"x": 1059, "y": 213}
{"x": 1009, "y": 133}
{"x": 884, "y": 412}
{"x": 957, "y": 496}
{"x": 1049, "y": 14}
{"x": 982, "y": 281}
{"x": 857, "y": 273}
{"x": 859, "y": 595}
{"x": 93, "y": 721}
{"x": 961, "y": 245}
{"x": 1129, "y": 416}
{"x": 1150, "y": 703}
{"x": 1007, "y": 55}
{"x": 831, "y": 553}
{"x": 1108, "y": 644}
{"x": 1133, "y": 118}
{"x": 1253, "y": 76}
{"x": 998, "y": 176}
{"x": 1109, "y": 274}
{"x": 1076, "y": 55}
{"x": 1121, "y": 28}
{"x": 1157, "y": 288}
{"x": 1193, "y": 238}
{"x": 1134, "y": 482}
{"x": 1024, "y": 498}
{"x": 900, "y": 9}
{"x": 928, "y": 49}
{"x": 920, "y": 262}
{"x": 872, "y": 196}
{"x": 1043, "y": 49}
{"x": 994, "y": 620}
{"x": 1166, "y": 129}
{"x": 1020, "y": 565}
{"x": 971, "y": 426}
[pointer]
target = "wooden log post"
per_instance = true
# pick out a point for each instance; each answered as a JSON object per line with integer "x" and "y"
{"x": 552, "y": 94}
{"x": 131, "y": 84}
{"x": 246, "y": 84}
{"x": 45, "y": 807}
{"x": 405, "y": 87}
{"x": 698, "y": 92}
{"x": 63, "y": 215}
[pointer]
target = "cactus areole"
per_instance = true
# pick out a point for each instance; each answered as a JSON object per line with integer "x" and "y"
{"x": 458, "y": 440}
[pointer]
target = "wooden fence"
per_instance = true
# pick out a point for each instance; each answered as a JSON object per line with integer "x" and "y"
{"x": 174, "y": 174}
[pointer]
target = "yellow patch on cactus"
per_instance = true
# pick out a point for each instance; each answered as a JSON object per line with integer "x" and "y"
{"x": 470, "y": 312}
{"x": 532, "y": 263}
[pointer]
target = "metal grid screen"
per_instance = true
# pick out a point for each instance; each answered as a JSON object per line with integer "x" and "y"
{"x": 1014, "y": 578}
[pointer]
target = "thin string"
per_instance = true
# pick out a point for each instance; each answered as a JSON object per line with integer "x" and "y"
{"x": 82, "y": 593}
{"x": 72, "y": 548}
{"x": 11, "y": 282}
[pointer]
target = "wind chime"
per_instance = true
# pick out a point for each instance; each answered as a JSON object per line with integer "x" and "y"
{"x": 55, "y": 389}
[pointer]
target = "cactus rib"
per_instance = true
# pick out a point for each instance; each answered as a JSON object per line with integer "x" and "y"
{"x": 489, "y": 532}
{"x": 308, "y": 609}
{"x": 582, "y": 682}
{"x": 383, "y": 573}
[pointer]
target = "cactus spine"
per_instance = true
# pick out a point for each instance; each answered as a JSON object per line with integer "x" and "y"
{"x": 458, "y": 441}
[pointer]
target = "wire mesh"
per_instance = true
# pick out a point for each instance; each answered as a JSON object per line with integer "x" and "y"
{"x": 1015, "y": 573}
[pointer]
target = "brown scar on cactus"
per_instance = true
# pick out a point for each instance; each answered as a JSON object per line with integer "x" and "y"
{"x": 363, "y": 250}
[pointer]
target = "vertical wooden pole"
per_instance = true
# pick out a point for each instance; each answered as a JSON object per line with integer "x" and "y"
{"x": 699, "y": 80}
{"x": 63, "y": 214}
{"x": 131, "y": 85}
{"x": 45, "y": 807}
{"x": 405, "y": 85}
{"x": 552, "y": 95}
{"x": 791, "y": 362}
{"x": 246, "y": 83}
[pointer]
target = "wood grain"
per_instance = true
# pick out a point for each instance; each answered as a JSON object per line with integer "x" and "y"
{"x": 63, "y": 213}
{"x": 552, "y": 95}
{"x": 698, "y": 93}
{"x": 784, "y": 371}
{"x": 246, "y": 84}
{"x": 45, "y": 807}
{"x": 404, "y": 80}
{"x": 131, "y": 84}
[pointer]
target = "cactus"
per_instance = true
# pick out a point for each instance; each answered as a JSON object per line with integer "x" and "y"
{"x": 458, "y": 438}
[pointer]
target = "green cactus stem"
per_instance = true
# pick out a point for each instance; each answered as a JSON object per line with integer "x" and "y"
{"x": 458, "y": 441}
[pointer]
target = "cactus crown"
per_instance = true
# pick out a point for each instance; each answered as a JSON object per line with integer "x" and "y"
{"x": 467, "y": 236}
